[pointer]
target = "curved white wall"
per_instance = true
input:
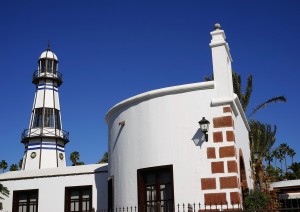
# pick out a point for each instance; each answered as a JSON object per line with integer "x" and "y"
{"x": 160, "y": 130}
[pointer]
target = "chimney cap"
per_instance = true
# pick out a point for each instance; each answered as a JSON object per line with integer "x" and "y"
{"x": 217, "y": 26}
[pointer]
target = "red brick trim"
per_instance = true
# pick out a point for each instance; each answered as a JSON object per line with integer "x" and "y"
{"x": 211, "y": 152}
{"x": 217, "y": 167}
{"x": 208, "y": 183}
{"x": 218, "y": 137}
{"x": 228, "y": 182}
{"x": 230, "y": 136}
{"x": 232, "y": 166}
{"x": 227, "y": 151}
{"x": 224, "y": 121}
{"x": 215, "y": 198}
{"x": 235, "y": 197}
{"x": 227, "y": 109}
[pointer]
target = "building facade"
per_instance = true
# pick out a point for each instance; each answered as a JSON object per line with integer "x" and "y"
{"x": 158, "y": 156}
{"x": 45, "y": 183}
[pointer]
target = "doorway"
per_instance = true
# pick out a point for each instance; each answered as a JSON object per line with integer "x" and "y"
{"x": 155, "y": 189}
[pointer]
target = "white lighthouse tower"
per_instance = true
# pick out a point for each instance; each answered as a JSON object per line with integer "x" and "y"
{"x": 45, "y": 140}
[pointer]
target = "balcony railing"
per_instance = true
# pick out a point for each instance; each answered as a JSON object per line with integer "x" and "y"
{"x": 50, "y": 74}
{"x": 44, "y": 132}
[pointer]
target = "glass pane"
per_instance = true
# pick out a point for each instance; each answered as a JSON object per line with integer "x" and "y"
{"x": 37, "y": 120}
{"x": 150, "y": 179}
{"x": 57, "y": 119}
{"x": 54, "y": 67}
{"x": 22, "y": 208}
{"x": 165, "y": 177}
{"x": 49, "y": 118}
{"x": 86, "y": 205}
{"x": 74, "y": 205}
{"x": 85, "y": 194}
{"x": 49, "y": 66}
{"x": 32, "y": 208}
{"x": 22, "y": 198}
{"x": 151, "y": 193}
{"x": 32, "y": 197}
{"x": 74, "y": 194}
{"x": 43, "y": 66}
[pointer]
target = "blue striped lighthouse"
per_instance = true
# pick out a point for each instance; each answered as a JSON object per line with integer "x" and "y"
{"x": 45, "y": 139}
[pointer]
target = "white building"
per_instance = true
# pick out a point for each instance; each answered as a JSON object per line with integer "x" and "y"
{"x": 158, "y": 156}
{"x": 45, "y": 183}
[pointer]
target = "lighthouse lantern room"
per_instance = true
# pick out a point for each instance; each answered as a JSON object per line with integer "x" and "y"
{"x": 45, "y": 140}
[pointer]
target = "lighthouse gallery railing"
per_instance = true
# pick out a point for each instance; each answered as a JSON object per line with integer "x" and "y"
{"x": 38, "y": 132}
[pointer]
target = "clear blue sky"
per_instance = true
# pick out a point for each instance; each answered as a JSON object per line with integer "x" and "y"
{"x": 111, "y": 50}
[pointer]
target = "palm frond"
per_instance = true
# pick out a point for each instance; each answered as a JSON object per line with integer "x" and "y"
{"x": 207, "y": 78}
{"x": 266, "y": 103}
{"x": 248, "y": 93}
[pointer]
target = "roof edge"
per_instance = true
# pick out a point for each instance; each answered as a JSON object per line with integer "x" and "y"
{"x": 159, "y": 92}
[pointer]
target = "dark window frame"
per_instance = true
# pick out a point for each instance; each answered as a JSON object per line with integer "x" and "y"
{"x": 16, "y": 197}
{"x": 46, "y": 117}
{"x": 142, "y": 193}
{"x": 68, "y": 191}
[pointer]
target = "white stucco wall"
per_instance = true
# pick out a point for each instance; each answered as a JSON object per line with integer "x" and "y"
{"x": 51, "y": 184}
{"x": 160, "y": 130}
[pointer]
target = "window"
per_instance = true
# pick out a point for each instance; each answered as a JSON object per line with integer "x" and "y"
{"x": 57, "y": 119}
{"x": 38, "y": 117}
{"x": 25, "y": 201}
{"x": 49, "y": 66}
{"x": 50, "y": 116}
{"x": 155, "y": 189}
{"x": 43, "y": 66}
{"x": 78, "y": 199}
{"x": 54, "y": 67}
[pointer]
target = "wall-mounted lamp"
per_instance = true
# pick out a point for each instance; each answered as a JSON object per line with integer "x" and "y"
{"x": 122, "y": 123}
{"x": 204, "y": 126}
{"x": 255, "y": 156}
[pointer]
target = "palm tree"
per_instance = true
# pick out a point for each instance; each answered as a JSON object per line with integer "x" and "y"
{"x": 104, "y": 158}
{"x": 295, "y": 167}
{"x": 269, "y": 158}
{"x": 5, "y": 192}
{"x": 284, "y": 148}
{"x": 13, "y": 167}
{"x": 3, "y": 165}
{"x": 74, "y": 157}
{"x": 262, "y": 138}
{"x": 291, "y": 152}
{"x": 244, "y": 96}
{"x": 80, "y": 163}
{"x": 20, "y": 164}
{"x": 275, "y": 154}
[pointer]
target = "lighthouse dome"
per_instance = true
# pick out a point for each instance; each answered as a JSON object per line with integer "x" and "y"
{"x": 48, "y": 54}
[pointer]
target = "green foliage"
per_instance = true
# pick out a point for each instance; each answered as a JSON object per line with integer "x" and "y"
{"x": 257, "y": 200}
{"x": 74, "y": 157}
{"x": 104, "y": 158}
{"x": 14, "y": 167}
{"x": 274, "y": 173}
{"x": 5, "y": 192}
{"x": 262, "y": 138}
{"x": 20, "y": 164}
{"x": 3, "y": 165}
{"x": 295, "y": 168}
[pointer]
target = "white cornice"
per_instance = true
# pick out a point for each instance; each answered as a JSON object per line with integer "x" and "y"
{"x": 158, "y": 93}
